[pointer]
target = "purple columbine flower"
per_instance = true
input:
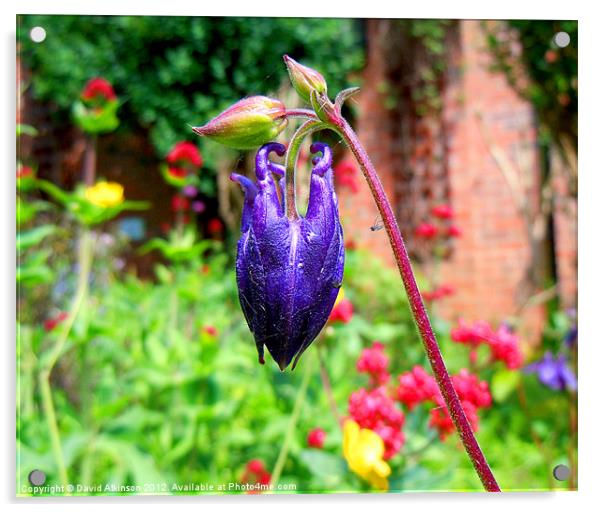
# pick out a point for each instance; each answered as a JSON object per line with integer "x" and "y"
{"x": 288, "y": 270}
{"x": 554, "y": 372}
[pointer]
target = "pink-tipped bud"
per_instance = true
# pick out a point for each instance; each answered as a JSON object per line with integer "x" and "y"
{"x": 304, "y": 79}
{"x": 247, "y": 124}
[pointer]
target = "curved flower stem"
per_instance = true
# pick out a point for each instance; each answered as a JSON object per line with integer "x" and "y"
{"x": 431, "y": 346}
{"x": 292, "y": 424}
{"x": 301, "y": 112}
{"x": 85, "y": 261}
{"x": 292, "y": 153}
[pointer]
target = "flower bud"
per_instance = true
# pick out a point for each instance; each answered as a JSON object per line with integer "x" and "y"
{"x": 288, "y": 271}
{"x": 247, "y": 124}
{"x": 304, "y": 79}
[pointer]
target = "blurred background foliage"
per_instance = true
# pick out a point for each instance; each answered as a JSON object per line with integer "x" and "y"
{"x": 170, "y": 72}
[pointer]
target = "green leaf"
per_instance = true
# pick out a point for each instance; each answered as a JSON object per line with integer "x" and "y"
{"x": 27, "y": 239}
{"x": 324, "y": 465}
{"x": 504, "y": 383}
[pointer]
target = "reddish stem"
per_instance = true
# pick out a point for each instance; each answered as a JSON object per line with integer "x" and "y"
{"x": 301, "y": 112}
{"x": 418, "y": 310}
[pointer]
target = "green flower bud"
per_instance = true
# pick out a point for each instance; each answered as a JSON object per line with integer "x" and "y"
{"x": 304, "y": 79}
{"x": 247, "y": 124}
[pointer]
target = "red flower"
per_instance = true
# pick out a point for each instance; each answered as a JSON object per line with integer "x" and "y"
{"x": 316, "y": 438}
{"x": 177, "y": 172}
{"x": 346, "y": 175}
{"x": 438, "y": 293}
{"x": 426, "y": 230}
{"x": 454, "y": 231}
{"x": 179, "y": 203}
{"x": 215, "y": 226}
{"x": 503, "y": 344}
{"x": 342, "y": 312}
{"x": 442, "y": 422}
{"x": 443, "y": 211}
{"x": 479, "y": 332}
{"x": 24, "y": 171}
{"x": 375, "y": 363}
{"x": 376, "y": 410}
{"x": 255, "y": 466}
{"x": 470, "y": 389}
{"x": 415, "y": 387}
{"x": 473, "y": 395}
{"x": 255, "y": 473}
{"x": 505, "y": 347}
{"x": 98, "y": 89}
{"x": 551, "y": 56}
{"x": 210, "y": 330}
{"x": 51, "y": 323}
{"x": 185, "y": 151}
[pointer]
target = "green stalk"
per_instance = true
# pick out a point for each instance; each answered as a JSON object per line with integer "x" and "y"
{"x": 292, "y": 424}
{"x": 85, "y": 262}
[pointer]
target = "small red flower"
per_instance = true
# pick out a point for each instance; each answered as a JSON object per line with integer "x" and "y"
{"x": 210, "y": 330}
{"x": 342, "y": 312}
{"x": 98, "y": 89}
{"x": 376, "y": 410}
{"x": 375, "y": 363}
{"x": 215, "y": 226}
{"x": 316, "y": 438}
{"x": 52, "y": 323}
{"x": 479, "y": 332}
{"x": 438, "y": 293}
{"x": 185, "y": 152}
{"x": 346, "y": 174}
{"x": 177, "y": 172}
{"x": 454, "y": 231}
{"x": 551, "y": 56}
{"x": 255, "y": 466}
{"x": 442, "y": 422}
{"x": 255, "y": 473}
{"x": 415, "y": 387}
{"x": 426, "y": 230}
{"x": 24, "y": 171}
{"x": 473, "y": 395}
{"x": 505, "y": 347}
{"x": 179, "y": 203}
{"x": 471, "y": 389}
{"x": 443, "y": 211}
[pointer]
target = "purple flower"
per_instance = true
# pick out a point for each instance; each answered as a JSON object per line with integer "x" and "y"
{"x": 189, "y": 191}
{"x": 554, "y": 372}
{"x": 198, "y": 206}
{"x": 288, "y": 271}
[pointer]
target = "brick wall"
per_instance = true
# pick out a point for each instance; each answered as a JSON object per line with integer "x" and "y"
{"x": 491, "y": 178}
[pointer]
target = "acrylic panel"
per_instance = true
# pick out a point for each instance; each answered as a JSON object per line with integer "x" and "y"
{"x": 295, "y": 255}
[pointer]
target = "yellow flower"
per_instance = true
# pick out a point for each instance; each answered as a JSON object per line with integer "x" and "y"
{"x": 340, "y": 297}
{"x": 364, "y": 450}
{"x": 105, "y": 194}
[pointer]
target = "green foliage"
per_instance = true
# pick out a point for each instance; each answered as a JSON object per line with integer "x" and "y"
{"x": 551, "y": 71}
{"x": 85, "y": 211}
{"x": 146, "y": 395}
{"x": 97, "y": 120}
{"x": 171, "y": 72}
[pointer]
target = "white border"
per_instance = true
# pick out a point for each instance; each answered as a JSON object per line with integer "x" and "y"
{"x": 590, "y": 257}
